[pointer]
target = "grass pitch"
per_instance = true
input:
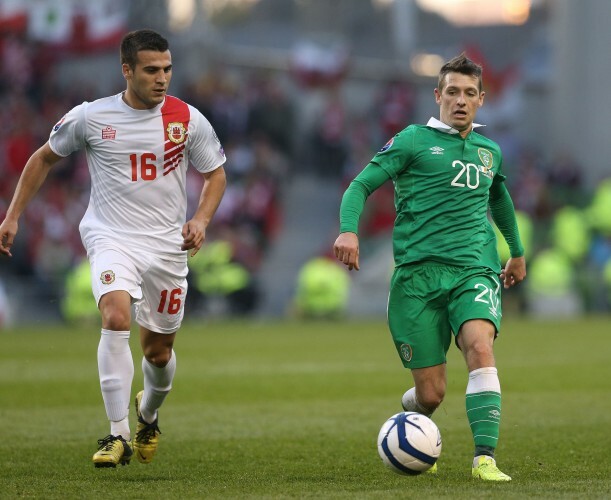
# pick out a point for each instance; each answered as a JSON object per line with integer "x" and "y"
{"x": 292, "y": 410}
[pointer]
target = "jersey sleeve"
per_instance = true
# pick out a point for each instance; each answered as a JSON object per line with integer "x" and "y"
{"x": 68, "y": 134}
{"x": 504, "y": 216}
{"x": 353, "y": 200}
{"x": 397, "y": 153}
{"x": 500, "y": 175}
{"x": 205, "y": 150}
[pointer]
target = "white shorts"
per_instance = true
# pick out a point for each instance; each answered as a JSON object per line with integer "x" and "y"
{"x": 158, "y": 287}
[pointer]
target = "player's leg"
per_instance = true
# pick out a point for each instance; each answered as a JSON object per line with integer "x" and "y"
{"x": 116, "y": 371}
{"x": 159, "y": 315}
{"x": 159, "y": 368}
{"x": 114, "y": 281}
{"x": 478, "y": 299}
{"x": 483, "y": 395}
{"x": 427, "y": 394}
{"x": 419, "y": 324}
{"x": 428, "y": 391}
{"x": 483, "y": 398}
{"x": 115, "y": 363}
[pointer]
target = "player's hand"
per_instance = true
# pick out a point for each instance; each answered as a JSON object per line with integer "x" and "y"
{"x": 8, "y": 230}
{"x": 346, "y": 249}
{"x": 514, "y": 272}
{"x": 193, "y": 234}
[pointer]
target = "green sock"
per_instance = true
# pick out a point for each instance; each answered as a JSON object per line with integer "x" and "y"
{"x": 484, "y": 415}
{"x": 484, "y": 450}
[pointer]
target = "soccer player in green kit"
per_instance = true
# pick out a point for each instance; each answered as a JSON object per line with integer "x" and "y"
{"x": 448, "y": 277}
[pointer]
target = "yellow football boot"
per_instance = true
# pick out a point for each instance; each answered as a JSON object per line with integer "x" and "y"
{"x": 485, "y": 469}
{"x": 146, "y": 439}
{"x": 112, "y": 450}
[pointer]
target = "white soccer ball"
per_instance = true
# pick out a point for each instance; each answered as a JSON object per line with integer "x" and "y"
{"x": 409, "y": 443}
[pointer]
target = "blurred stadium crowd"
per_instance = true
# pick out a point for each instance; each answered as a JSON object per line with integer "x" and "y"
{"x": 566, "y": 224}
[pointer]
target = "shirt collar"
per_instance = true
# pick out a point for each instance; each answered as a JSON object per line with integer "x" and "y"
{"x": 442, "y": 127}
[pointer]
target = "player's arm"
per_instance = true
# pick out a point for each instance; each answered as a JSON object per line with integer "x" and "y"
{"x": 346, "y": 247}
{"x": 194, "y": 230}
{"x": 34, "y": 174}
{"x": 503, "y": 215}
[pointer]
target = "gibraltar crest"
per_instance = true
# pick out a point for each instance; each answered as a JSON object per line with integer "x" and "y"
{"x": 176, "y": 132}
{"x": 107, "y": 277}
{"x": 486, "y": 157}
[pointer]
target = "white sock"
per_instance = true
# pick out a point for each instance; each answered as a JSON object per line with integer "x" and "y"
{"x": 157, "y": 385}
{"x": 410, "y": 403}
{"x": 121, "y": 428}
{"x": 116, "y": 369}
{"x": 484, "y": 379}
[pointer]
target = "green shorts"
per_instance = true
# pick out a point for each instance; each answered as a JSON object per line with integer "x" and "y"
{"x": 429, "y": 302}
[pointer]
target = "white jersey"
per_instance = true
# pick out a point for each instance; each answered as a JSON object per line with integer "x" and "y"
{"x": 138, "y": 161}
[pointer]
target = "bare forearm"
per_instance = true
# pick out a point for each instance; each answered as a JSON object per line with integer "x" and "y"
{"x": 212, "y": 194}
{"x": 34, "y": 174}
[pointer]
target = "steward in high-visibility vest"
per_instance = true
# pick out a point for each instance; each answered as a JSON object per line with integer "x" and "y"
{"x": 571, "y": 233}
{"x": 599, "y": 211}
{"x": 322, "y": 289}
{"x": 551, "y": 273}
{"x": 215, "y": 273}
{"x": 78, "y": 303}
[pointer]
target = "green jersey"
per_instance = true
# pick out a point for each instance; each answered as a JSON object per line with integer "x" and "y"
{"x": 442, "y": 189}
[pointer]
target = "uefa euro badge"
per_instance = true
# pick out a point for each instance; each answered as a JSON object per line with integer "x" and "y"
{"x": 176, "y": 132}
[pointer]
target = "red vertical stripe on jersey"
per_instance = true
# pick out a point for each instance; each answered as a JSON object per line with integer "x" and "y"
{"x": 174, "y": 111}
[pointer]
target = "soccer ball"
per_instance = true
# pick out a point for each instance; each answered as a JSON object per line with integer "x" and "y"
{"x": 409, "y": 443}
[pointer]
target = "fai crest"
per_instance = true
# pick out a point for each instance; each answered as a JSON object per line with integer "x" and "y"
{"x": 486, "y": 157}
{"x": 406, "y": 352}
{"x": 176, "y": 132}
{"x": 107, "y": 277}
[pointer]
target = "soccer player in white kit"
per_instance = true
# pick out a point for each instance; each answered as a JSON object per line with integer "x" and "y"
{"x": 139, "y": 144}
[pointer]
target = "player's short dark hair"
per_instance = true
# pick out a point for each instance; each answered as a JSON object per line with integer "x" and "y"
{"x": 460, "y": 64}
{"x": 136, "y": 41}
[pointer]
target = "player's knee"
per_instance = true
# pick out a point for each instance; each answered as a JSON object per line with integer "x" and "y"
{"x": 158, "y": 356}
{"x": 431, "y": 399}
{"x": 116, "y": 320}
{"x": 480, "y": 350}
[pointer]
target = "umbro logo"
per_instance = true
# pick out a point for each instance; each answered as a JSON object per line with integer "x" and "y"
{"x": 436, "y": 150}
